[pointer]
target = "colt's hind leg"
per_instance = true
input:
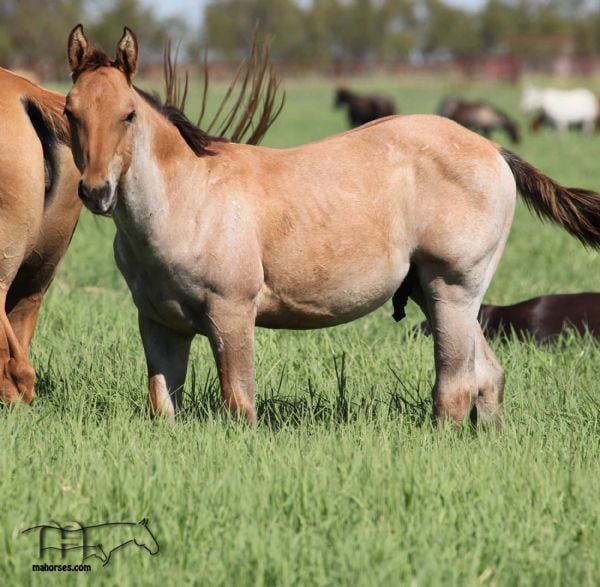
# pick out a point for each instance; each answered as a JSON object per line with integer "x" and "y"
{"x": 231, "y": 333}
{"x": 490, "y": 383}
{"x": 167, "y": 354}
{"x": 453, "y": 317}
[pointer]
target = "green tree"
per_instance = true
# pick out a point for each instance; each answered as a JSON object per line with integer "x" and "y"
{"x": 152, "y": 32}
{"x": 230, "y": 24}
{"x": 449, "y": 29}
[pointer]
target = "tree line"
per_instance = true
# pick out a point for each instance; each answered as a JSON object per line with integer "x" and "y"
{"x": 308, "y": 31}
{"x": 393, "y": 29}
{"x": 33, "y": 33}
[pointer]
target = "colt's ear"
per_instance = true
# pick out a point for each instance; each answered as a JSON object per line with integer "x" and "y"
{"x": 78, "y": 48}
{"x": 127, "y": 53}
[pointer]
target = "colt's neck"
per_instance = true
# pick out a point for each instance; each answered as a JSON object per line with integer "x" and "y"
{"x": 159, "y": 177}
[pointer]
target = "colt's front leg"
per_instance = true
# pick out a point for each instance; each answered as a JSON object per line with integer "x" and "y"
{"x": 230, "y": 329}
{"x": 167, "y": 354}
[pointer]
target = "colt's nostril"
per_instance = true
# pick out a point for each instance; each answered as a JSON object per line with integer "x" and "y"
{"x": 104, "y": 191}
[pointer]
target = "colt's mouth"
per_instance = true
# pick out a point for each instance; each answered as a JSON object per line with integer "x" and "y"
{"x": 100, "y": 210}
{"x": 100, "y": 201}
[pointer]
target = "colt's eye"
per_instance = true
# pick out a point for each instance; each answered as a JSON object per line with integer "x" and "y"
{"x": 129, "y": 118}
{"x": 69, "y": 115}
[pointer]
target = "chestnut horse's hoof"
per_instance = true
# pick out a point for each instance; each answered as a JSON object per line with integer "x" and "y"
{"x": 18, "y": 383}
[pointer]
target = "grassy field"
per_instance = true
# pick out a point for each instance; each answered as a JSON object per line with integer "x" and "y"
{"x": 343, "y": 482}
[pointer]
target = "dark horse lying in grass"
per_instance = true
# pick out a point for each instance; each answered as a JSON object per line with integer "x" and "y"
{"x": 543, "y": 319}
{"x": 480, "y": 117}
{"x": 363, "y": 109}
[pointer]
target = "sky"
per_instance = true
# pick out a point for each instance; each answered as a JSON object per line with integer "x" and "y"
{"x": 192, "y": 9}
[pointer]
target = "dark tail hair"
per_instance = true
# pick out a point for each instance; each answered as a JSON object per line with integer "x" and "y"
{"x": 46, "y": 113}
{"x": 47, "y": 110}
{"x": 575, "y": 209}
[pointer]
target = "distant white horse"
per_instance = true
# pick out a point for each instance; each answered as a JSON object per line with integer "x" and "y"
{"x": 563, "y": 108}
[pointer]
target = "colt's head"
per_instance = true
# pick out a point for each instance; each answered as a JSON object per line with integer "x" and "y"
{"x": 101, "y": 111}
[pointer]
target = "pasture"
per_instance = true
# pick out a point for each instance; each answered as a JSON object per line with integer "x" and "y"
{"x": 343, "y": 482}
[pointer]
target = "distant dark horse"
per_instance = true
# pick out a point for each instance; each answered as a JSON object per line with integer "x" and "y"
{"x": 480, "y": 117}
{"x": 543, "y": 319}
{"x": 363, "y": 109}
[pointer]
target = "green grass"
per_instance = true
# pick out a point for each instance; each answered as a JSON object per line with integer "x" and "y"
{"x": 343, "y": 482}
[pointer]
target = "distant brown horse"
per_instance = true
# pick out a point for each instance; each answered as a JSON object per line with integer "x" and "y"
{"x": 481, "y": 117}
{"x": 363, "y": 109}
{"x": 40, "y": 208}
{"x": 216, "y": 238}
{"x": 542, "y": 319}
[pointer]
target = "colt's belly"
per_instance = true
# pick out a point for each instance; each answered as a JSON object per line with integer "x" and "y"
{"x": 321, "y": 308}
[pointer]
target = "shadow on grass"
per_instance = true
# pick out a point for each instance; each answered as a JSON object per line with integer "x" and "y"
{"x": 310, "y": 405}
{"x": 275, "y": 409}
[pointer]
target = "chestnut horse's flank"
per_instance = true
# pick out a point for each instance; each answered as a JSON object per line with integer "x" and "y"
{"x": 38, "y": 195}
{"x": 308, "y": 237}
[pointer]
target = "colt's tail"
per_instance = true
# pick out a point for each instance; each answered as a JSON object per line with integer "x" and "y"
{"x": 575, "y": 209}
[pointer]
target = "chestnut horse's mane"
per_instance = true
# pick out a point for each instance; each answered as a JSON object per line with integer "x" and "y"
{"x": 258, "y": 93}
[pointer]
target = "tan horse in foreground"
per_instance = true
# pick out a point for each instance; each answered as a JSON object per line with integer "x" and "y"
{"x": 39, "y": 211}
{"x": 217, "y": 238}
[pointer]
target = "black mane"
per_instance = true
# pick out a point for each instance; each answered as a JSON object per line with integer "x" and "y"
{"x": 197, "y": 139}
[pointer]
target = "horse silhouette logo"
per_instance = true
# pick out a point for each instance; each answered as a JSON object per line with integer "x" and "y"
{"x": 99, "y": 540}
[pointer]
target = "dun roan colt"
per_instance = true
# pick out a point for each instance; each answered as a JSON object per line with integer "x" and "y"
{"x": 40, "y": 208}
{"x": 216, "y": 238}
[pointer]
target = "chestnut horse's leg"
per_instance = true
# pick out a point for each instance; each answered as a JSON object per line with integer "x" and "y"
{"x": 230, "y": 329}
{"x": 23, "y": 317}
{"x": 18, "y": 376}
{"x": 167, "y": 354}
